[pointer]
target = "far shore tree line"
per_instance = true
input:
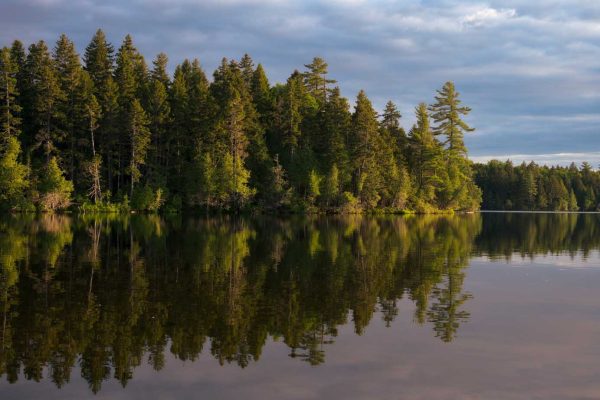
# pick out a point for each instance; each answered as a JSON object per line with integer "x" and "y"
{"x": 106, "y": 132}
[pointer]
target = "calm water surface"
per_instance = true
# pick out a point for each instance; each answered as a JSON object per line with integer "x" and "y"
{"x": 490, "y": 306}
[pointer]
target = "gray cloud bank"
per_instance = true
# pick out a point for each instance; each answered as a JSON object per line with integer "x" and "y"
{"x": 530, "y": 70}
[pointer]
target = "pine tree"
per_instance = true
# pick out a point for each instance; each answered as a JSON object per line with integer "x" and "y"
{"x": 316, "y": 80}
{"x": 446, "y": 113}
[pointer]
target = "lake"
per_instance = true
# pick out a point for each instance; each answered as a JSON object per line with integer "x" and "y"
{"x": 478, "y": 306}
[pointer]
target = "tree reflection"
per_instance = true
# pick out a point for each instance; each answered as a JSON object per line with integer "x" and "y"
{"x": 109, "y": 293}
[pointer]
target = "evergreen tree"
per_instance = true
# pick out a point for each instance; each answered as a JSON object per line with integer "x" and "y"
{"x": 261, "y": 94}
{"x": 334, "y": 143}
{"x": 159, "y": 113}
{"x": 99, "y": 62}
{"x": 247, "y": 70}
{"x": 18, "y": 57}
{"x": 159, "y": 71}
{"x": 393, "y": 131}
{"x": 446, "y": 113}
{"x": 68, "y": 70}
{"x": 9, "y": 109}
{"x": 139, "y": 141}
{"x": 426, "y": 159}
{"x": 367, "y": 174}
{"x": 42, "y": 99}
{"x": 234, "y": 126}
{"x": 131, "y": 120}
{"x": 316, "y": 80}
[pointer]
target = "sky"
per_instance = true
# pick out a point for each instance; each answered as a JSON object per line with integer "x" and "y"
{"x": 530, "y": 70}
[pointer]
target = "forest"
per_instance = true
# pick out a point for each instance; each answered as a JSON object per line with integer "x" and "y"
{"x": 538, "y": 188}
{"x": 107, "y": 132}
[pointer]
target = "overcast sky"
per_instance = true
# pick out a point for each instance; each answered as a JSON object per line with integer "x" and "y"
{"x": 530, "y": 70}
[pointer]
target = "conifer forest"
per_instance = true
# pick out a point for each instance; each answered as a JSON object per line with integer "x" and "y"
{"x": 106, "y": 131}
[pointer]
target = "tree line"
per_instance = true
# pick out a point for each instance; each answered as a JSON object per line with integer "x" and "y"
{"x": 541, "y": 188}
{"x": 105, "y": 131}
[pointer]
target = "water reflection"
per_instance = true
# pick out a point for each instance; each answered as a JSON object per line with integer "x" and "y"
{"x": 108, "y": 294}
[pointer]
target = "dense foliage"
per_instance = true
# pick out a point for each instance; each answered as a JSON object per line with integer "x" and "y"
{"x": 535, "y": 187}
{"x": 124, "y": 135}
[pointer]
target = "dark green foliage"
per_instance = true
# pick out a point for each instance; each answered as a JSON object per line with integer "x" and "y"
{"x": 533, "y": 187}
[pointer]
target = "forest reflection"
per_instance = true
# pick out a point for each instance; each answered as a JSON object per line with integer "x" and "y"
{"x": 106, "y": 294}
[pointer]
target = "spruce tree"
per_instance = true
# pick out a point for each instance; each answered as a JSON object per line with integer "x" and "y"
{"x": 367, "y": 174}
{"x": 139, "y": 141}
{"x": 68, "y": 70}
{"x": 99, "y": 61}
{"x": 157, "y": 105}
{"x": 42, "y": 99}
{"x": 130, "y": 119}
{"x": 426, "y": 159}
{"x": 9, "y": 109}
{"x": 261, "y": 95}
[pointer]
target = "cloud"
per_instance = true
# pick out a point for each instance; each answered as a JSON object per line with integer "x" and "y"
{"x": 510, "y": 59}
{"x": 487, "y": 16}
